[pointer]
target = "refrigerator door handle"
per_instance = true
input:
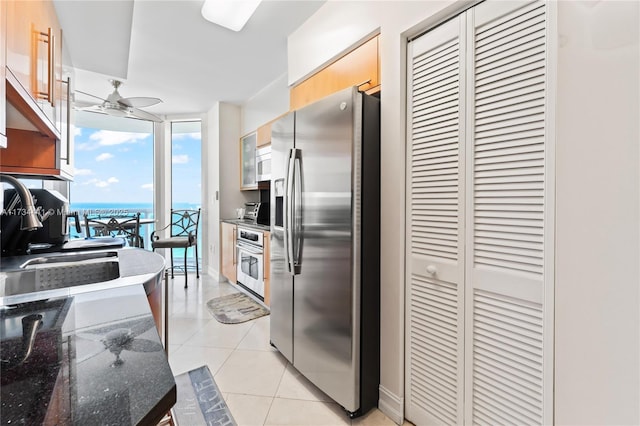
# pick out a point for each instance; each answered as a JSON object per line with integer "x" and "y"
{"x": 288, "y": 212}
{"x": 298, "y": 211}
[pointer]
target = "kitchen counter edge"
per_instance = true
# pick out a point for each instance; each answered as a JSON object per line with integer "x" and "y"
{"x": 137, "y": 266}
{"x": 245, "y": 224}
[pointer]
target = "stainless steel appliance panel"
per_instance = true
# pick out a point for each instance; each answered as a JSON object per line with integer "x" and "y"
{"x": 263, "y": 164}
{"x": 281, "y": 286}
{"x": 324, "y": 329}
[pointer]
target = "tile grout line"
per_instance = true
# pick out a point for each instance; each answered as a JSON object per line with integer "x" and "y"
{"x": 275, "y": 395}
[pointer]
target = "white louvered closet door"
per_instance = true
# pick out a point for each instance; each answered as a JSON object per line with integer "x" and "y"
{"x": 435, "y": 217}
{"x": 508, "y": 347}
{"x": 479, "y": 344}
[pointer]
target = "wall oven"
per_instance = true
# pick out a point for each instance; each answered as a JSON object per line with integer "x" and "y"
{"x": 250, "y": 271}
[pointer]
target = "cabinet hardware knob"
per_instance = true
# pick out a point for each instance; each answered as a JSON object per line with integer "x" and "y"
{"x": 432, "y": 270}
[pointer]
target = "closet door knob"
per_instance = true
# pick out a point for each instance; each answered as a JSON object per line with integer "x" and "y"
{"x": 432, "y": 270}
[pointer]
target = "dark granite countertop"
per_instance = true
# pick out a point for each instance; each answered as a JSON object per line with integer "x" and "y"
{"x": 247, "y": 224}
{"x": 96, "y": 359}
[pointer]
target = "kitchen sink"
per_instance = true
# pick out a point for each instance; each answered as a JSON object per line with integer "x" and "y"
{"x": 69, "y": 258}
{"x": 60, "y": 271}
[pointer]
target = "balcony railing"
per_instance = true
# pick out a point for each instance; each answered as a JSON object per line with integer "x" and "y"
{"x": 145, "y": 230}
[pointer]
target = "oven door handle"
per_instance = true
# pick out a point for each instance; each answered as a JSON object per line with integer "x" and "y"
{"x": 249, "y": 249}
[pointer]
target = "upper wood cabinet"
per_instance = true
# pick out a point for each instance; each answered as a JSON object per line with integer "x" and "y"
{"x": 38, "y": 95}
{"x": 34, "y": 53}
{"x": 248, "y": 162}
{"x": 359, "y": 67}
{"x": 264, "y": 135}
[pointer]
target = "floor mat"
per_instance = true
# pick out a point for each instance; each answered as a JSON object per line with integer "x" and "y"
{"x": 200, "y": 402}
{"x": 235, "y": 308}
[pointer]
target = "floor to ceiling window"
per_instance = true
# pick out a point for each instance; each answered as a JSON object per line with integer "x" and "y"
{"x": 114, "y": 170}
{"x": 186, "y": 174}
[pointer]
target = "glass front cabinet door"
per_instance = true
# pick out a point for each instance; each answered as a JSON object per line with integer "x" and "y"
{"x": 248, "y": 162}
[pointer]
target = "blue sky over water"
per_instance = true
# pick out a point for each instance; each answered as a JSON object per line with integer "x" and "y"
{"x": 117, "y": 167}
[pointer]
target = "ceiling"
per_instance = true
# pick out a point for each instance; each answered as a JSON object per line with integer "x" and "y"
{"x": 165, "y": 49}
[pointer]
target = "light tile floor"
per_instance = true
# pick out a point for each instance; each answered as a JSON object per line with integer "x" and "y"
{"x": 258, "y": 384}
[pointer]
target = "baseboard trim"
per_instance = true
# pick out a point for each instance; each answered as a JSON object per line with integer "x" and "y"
{"x": 391, "y": 405}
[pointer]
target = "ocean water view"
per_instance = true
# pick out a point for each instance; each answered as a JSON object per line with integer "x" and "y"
{"x": 125, "y": 209}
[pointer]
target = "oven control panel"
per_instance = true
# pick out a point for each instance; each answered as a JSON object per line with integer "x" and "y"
{"x": 250, "y": 236}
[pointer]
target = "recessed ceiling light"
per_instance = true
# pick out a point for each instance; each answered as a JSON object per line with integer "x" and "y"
{"x": 232, "y": 14}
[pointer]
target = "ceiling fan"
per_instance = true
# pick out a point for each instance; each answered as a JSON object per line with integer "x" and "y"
{"x": 118, "y": 106}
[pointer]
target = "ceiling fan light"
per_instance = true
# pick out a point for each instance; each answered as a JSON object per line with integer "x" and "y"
{"x": 232, "y": 14}
{"x": 114, "y": 111}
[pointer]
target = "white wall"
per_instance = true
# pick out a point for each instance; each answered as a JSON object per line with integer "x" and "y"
{"x": 230, "y": 195}
{"x": 337, "y": 26}
{"x": 221, "y": 165}
{"x": 210, "y": 189}
{"x": 597, "y": 353}
{"x": 267, "y": 104}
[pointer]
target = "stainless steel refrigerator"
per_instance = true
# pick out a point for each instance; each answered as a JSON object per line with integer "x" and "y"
{"x": 325, "y": 245}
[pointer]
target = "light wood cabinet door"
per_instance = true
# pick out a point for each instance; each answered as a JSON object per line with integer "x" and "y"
{"x": 20, "y": 20}
{"x": 267, "y": 267}
{"x": 34, "y": 53}
{"x": 33, "y": 58}
{"x": 264, "y": 135}
{"x": 228, "y": 251}
{"x": 359, "y": 67}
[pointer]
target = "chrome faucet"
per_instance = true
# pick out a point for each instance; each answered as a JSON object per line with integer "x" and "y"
{"x": 30, "y": 326}
{"x": 29, "y": 221}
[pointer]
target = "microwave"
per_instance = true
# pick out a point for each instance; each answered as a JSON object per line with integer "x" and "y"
{"x": 263, "y": 164}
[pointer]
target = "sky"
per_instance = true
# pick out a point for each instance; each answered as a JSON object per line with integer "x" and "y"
{"x": 117, "y": 167}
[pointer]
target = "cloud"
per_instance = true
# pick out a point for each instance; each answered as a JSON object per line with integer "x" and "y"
{"x": 148, "y": 186}
{"x": 101, "y": 183}
{"x": 82, "y": 172}
{"x": 179, "y": 136}
{"x": 110, "y": 138}
{"x": 180, "y": 159}
{"x": 99, "y": 138}
{"x": 84, "y": 147}
{"x": 77, "y": 131}
{"x": 104, "y": 156}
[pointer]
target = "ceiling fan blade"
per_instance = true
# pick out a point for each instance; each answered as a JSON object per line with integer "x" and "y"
{"x": 83, "y": 105}
{"x": 89, "y": 94}
{"x": 139, "y": 102}
{"x": 144, "y": 115}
